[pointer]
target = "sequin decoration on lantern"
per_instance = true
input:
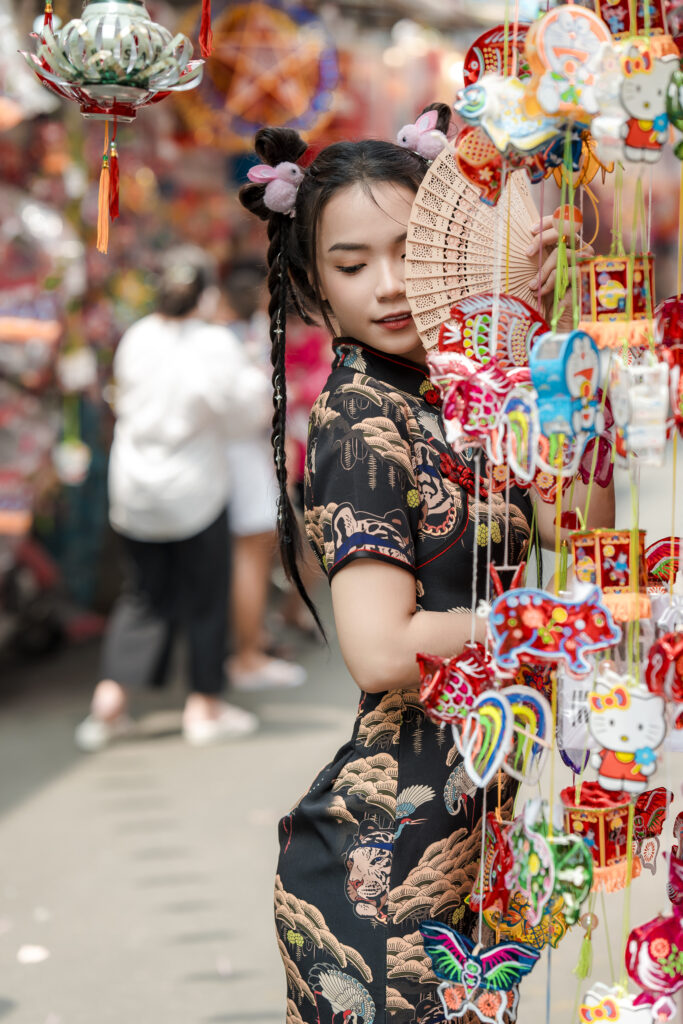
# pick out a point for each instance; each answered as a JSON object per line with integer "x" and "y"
{"x": 617, "y": 300}
{"x": 648, "y": 821}
{"x": 669, "y": 321}
{"x": 498, "y": 51}
{"x": 470, "y": 331}
{"x": 450, "y": 686}
{"x": 601, "y": 819}
{"x": 654, "y": 960}
{"x": 113, "y": 60}
{"x": 614, "y": 560}
{"x": 622, "y": 21}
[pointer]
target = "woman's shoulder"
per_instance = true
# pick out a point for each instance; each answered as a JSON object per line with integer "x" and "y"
{"x": 357, "y": 393}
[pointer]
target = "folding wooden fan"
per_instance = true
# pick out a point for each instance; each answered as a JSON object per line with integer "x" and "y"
{"x": 459, "y": 246}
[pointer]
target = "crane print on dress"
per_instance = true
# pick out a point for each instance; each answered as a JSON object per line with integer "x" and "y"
{"x": 407, "y": 802}
{"x": 350, "y": 1002}
{"x": 459, "y": 790}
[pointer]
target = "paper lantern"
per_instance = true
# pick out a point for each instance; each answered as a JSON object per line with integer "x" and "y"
{"x": 113, "y": 60}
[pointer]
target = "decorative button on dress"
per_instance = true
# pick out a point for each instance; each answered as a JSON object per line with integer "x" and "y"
{"x": 390, "y": 830}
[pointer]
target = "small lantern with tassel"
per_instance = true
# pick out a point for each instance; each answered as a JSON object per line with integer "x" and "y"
{"x": 113, "y": 60}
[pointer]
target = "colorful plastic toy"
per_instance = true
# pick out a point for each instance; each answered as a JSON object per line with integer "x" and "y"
{"x": 470, "y": 979}
{"x": 531, "y": 625}
{"x": 629, "y": 724}
{"x": 565, "y": 370}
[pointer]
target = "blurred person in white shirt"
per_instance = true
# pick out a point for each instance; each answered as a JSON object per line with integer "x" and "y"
{"x": 184, "y": 387}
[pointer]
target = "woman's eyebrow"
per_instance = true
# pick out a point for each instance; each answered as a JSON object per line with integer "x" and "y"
{"x": 361, "y": 246}
{"x": 347, "y": 246}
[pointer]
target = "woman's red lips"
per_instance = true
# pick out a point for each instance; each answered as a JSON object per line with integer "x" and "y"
{"x": 395, "y": 321}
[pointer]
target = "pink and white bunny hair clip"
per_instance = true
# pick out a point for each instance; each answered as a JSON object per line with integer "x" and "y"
{"x": 423, "y": 137}
{"x": 282, "y": 183}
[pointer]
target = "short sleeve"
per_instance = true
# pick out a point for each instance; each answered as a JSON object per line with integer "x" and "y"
{"x": 360, "y": 488}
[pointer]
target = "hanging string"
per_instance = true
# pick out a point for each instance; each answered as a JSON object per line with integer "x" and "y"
{"x": 475, "y": 557}
{"x": 103, "y": 198}
{"x": 114, "y": 176}
{"x": 626, "y": 920}
{"x": 634, "y": 559}
{"x": 672, "y": 572}
{"x": 679, "y": 274}
{"x": 480, "y": 930}
{"x": 608, "y": 941}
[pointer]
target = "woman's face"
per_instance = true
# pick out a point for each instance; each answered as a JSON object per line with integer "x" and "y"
{"x": 361, "y": 254}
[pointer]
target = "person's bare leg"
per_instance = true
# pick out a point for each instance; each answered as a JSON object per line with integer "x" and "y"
{"x": 109, "y": 701}
{"x": 252, "y": 561}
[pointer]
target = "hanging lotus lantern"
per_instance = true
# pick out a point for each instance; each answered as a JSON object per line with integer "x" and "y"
{"x": 113, "y": 60}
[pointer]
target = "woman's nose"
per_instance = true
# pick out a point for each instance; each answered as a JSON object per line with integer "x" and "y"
{"x": 391, "y": 280}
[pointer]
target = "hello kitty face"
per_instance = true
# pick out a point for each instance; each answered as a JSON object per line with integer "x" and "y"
{"x": 625, "y": 718}
{"x": 644, "y": 85}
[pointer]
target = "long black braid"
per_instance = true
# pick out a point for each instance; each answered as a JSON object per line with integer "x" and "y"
{"x": 292, "y": 266}
{"x": 274, "y": 146}
{"x": 289, "y": 537}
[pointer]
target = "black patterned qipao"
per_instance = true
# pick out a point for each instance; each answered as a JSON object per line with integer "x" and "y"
{"x": 389, "y": 832}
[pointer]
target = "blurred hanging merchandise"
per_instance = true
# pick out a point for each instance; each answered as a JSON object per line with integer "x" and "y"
{"x": 113, "y": 61}
{"x": 272, "y": 63}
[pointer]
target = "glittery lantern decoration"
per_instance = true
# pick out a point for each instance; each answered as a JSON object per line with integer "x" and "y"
{"x": 617, "y": 300}
{"x": 607, "y": 558}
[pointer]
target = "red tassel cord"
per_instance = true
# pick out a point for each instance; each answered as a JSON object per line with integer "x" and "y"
{"x": 113, "y": 180}
{"x": 205, "y": 33}
{"x": 47, "y": 19}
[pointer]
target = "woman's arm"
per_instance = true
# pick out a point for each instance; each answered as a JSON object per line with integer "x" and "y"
{"x": 600, "y": 511}
{"x": 380, "y": 631}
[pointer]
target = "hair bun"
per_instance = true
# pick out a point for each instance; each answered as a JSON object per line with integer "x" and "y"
{"x": 443, "y": 119}
{"x": 273, "y": 146}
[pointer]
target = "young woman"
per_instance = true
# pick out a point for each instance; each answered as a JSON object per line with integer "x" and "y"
{"x": 389, "y": 832}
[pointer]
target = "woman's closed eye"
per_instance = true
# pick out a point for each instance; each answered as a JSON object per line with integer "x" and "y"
{"x": 351, "y": 270}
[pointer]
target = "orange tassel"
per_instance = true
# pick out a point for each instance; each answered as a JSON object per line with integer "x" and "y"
{"x": 205, "y": 33}
{"x": 113, "y": 181}
{"x": 103, "y": 198}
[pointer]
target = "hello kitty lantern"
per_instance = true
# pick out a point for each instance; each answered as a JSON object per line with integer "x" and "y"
{"x": 607, "y": 559}
{"x": 628, "y": 722}
{"x": 617, "y": 299}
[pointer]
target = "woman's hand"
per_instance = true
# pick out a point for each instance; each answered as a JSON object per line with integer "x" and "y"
{"x": 547, "y": 237}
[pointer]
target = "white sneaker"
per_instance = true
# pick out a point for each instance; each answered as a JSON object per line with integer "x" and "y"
{"x": 275, "y": 674}
{"x": 232, "y": 723}
{"x": 93, "y": 734}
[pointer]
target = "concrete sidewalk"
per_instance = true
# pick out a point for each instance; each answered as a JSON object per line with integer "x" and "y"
{"x": 147, "y": 871}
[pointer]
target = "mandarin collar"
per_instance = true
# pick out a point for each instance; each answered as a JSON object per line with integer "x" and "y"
{"x": 401, "y": 373}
